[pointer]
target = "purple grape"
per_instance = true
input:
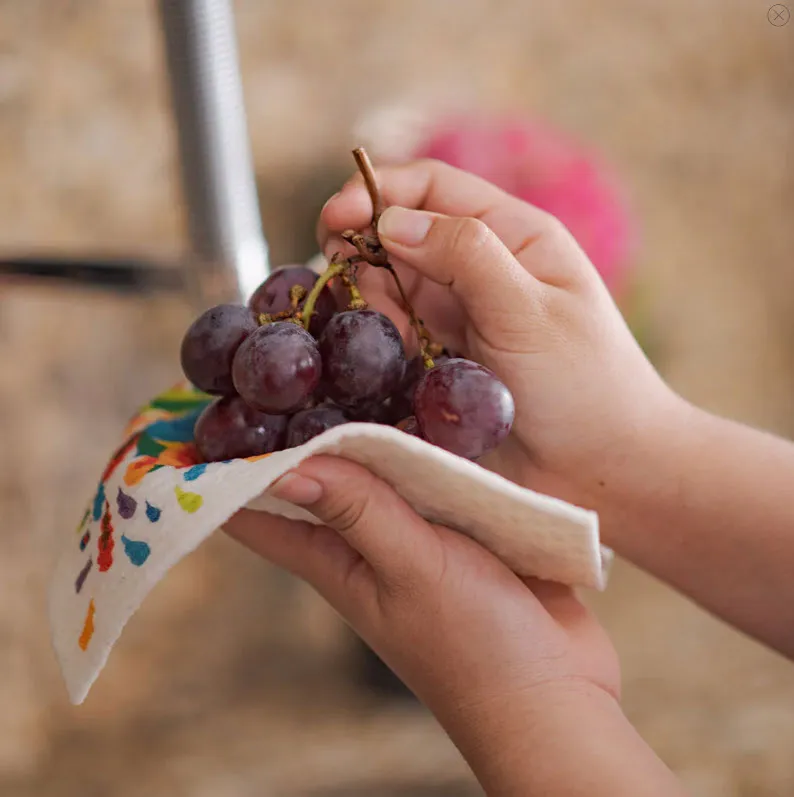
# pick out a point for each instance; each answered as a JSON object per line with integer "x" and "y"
{"x": 379, "y": 412}
{"x": 363, "y": 358}
{"x": 277, "y": 369}
{"x": 402, "y": 402}
{"x": 228, "y": 429}
{"x": 210, "y": 344}
{"x": 462, "y": 407}
{"x": 305, "y": 425}
{"x": 272, "y": 296}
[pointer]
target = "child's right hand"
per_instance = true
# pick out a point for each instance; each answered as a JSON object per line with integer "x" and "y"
{"x": 700, "y": 502}
{"x": 506, "y": 284}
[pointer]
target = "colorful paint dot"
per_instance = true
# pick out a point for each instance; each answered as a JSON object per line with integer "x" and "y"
{"x": 105, "y": 542}
{"x": 257, "y": 457}
{"x": 82, "y": 575}
{"x": 153, "y": 512}
{"x": 99, "y": 502}
{"x": 136, "y": 550}
{"x": 191, "y": 474}
{"x": 190, "y": 502}
{"x": 175, "y": 430}
{"x": 84, "y": 520}
{"x": 126, "y": 504}
{"x": 88, "y": 626}
{"x": 84, "y": 540}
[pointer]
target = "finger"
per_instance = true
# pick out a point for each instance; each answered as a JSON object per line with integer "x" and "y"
{"x": 468, "y": 257}
{"x": 368, "y": 514}
{"x": 316, "y": 554}
{"x": 440, "y": 188}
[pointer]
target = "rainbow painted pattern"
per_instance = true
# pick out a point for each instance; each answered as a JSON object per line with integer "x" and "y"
{"x": 160, "y": 435}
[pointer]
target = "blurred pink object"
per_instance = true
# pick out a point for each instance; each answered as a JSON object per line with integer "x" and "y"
{"x": 542, "y": 166}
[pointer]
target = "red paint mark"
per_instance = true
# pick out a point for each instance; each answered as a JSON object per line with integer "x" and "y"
{"x": 119, "y": 455}
{"x": 105, "y": 541}
{"x": 88, "y": 626}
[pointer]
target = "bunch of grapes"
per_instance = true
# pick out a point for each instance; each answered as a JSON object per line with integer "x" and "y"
{"x": 292, "y": 364}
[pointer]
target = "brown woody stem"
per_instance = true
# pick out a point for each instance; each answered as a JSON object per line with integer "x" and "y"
{"x": 421, "y": 332}
{"x": 369, "y": 249}
{"x": 368, "y": 172}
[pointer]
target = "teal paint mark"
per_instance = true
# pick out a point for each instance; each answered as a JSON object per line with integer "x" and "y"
{"x": 137, "y": 552}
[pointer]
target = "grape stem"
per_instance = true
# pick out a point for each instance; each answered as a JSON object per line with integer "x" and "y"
{"x": 335, "y": 269}
{"x": 421, "y": 332}
{"x": 296, "y": 293}
{"x": 357, "y": 301}
{"x": 368, "y": 173}
{"x": 371, "y": 250}
{"x": 367, "y": 247}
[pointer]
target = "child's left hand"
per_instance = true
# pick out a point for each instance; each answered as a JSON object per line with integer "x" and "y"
{"x": 484, "y": 650}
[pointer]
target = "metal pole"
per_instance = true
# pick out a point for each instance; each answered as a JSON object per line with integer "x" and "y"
{"x": 217, "y": 174}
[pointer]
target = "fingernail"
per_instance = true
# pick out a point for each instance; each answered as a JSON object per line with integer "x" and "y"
{"x": 297, "y": 489}
{"x": 403, "y": 226}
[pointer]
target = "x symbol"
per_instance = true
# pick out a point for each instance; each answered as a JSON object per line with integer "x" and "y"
{"x": 778, "y": 15}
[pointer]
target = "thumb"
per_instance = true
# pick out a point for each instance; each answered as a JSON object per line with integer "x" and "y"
{"x": 498, "y": 294}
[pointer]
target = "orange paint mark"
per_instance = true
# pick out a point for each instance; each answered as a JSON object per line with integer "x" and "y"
{"x": 147, "y": 417}
{"x": 88, "y": 626}
{"x": 258, "y": 457}
{"x": 180, "y": 455}
{"x": 137, "y": 469}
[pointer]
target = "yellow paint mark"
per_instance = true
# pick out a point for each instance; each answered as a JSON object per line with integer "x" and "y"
{"x": 88, "y": 626}
{"x": 190, "y": 502}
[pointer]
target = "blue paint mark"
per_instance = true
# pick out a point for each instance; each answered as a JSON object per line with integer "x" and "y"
{"x": 137, "y": 552}
{"x": 191, "y": 474}
{"x": 78, "y": 584}
{"x": 175, "y": 430}
{"x": 84, "y": 540}
{"x": 153, "y": 512}
{"x": 99, "y": 502}
{"x": 126, "y": 504}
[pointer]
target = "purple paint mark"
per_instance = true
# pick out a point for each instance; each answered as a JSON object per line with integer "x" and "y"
{"x": 126, "y": 504}
{"x": 78, "y": 584}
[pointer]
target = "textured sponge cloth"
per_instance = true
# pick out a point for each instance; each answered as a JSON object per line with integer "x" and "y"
{"x": 156, "y": 503}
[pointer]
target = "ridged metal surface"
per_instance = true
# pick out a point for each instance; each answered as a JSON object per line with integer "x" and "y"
{"x": 227, "y": 243}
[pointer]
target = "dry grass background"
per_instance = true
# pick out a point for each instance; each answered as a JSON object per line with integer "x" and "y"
{"x": 233, "y": 680}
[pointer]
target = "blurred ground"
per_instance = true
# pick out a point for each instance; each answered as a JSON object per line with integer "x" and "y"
{"x": 690, "y": 100}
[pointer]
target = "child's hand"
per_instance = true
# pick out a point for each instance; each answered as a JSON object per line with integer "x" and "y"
{"x": 700, "y": 502}
{"x": 520, "y": 674}
{"x": 507, "y": 285}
